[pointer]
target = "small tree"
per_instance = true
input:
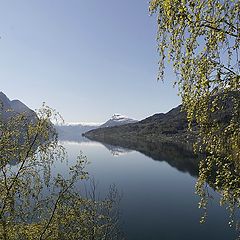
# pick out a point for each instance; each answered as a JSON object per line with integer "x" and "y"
{"x": 201, "y": 39}
{"x": 35, "y": 204}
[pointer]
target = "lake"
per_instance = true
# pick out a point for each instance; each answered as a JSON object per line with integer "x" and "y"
{"x": 158, "y": 192}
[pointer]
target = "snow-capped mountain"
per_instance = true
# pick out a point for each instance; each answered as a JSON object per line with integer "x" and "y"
{"x": 74, "y": 131}
{"x": 117, "y": 120}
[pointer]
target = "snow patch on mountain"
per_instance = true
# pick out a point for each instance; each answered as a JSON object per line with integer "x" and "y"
{"x": 118, "y": 119}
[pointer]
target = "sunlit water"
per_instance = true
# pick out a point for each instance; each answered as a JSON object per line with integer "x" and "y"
{"x": 158, "y": 201}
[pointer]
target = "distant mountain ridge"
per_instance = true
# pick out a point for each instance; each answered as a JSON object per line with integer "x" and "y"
{"x": 162, "y": 127}
{"x": 74, "y": 131}
{"x": 10, "y": 108}
{"x": 170, "y": 127}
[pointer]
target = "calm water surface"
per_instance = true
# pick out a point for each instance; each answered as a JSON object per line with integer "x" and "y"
{"x": 158, "y": 200}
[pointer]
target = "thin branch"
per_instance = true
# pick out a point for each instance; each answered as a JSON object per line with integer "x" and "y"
{"x": 50, "y": 219}
{"x": 220, "y": 30}
{"x": 230, "y": 25}
{"x": 19, "y": 170}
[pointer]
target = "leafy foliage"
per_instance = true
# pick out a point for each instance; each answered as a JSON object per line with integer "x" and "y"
{"x": 37, "y": 204}
{"x": 201, "y": 39}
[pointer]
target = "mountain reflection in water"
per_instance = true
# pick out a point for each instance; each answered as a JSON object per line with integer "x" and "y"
{"x": 178, "y": 156}
{"x": 157, "y": 195}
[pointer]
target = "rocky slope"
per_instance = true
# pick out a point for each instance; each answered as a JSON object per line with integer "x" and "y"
{"x": 10, "y": 108}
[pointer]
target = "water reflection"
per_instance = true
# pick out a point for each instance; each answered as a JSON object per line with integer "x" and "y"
{"x": 178, "y": 156}
{"x": 116, "y": 150}
{"x": 182, "y": 158}
{"x": 156, "y": 194}
{"x": 157, "y": 197}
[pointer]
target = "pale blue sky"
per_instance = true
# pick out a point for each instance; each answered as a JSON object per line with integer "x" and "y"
{"x": 87, "y": 59}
